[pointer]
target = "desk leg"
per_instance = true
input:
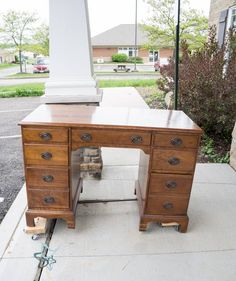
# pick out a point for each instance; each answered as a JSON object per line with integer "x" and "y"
{"x": 29, "y": 219}
{"x": 143, "y": 225}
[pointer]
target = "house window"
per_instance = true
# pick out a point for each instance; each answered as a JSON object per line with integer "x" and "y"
{"x": 231, "y": 18}
{"x": 130, "y": 52}
{"x": 153, "y": 56}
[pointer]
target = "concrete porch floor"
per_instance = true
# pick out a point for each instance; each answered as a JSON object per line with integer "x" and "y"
{"x": 106, "y": 244}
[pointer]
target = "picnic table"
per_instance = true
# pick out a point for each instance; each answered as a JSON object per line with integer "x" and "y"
{"x": 121, "y": 68}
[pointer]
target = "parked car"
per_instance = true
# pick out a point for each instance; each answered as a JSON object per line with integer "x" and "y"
{"x": 41, "y": 66}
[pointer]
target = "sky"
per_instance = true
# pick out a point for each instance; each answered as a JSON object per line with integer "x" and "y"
{"x": 103, "y": 14}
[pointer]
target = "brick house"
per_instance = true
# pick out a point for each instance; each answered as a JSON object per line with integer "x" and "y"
{"x": 223, "y": 15}
{"x": 120, "y": 39}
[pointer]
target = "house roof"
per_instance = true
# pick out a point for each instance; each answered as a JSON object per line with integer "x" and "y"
{"x": 121, "y": 35}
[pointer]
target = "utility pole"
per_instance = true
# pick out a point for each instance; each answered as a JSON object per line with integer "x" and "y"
{"x": 135, "y": 35}
{"x": 177, "y": 55}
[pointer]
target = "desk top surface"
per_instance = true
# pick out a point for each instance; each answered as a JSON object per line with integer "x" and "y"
{"x": 109, "y": 117}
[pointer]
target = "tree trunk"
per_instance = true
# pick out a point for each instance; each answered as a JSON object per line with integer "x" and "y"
{"x": 20, "y": 60}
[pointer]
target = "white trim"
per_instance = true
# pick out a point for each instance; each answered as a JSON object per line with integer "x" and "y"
{"x": 12, "y": 219}
{"x": 10, "y": 137}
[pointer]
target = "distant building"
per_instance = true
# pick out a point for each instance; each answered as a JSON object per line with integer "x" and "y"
{"x": 6, "y": 56}
{"x": 120, "y": 39}
{"x": 223, "y": 15}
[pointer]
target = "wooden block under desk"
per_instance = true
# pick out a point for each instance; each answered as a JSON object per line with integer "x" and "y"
{"x": 39, "y": 228}
{"x": 45, "y": 135}
{"x": 37, "y": 154}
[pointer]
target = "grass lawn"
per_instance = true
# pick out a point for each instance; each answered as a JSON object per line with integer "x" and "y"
{"x": 24, "y": 90}
{"x": 7, "y": 65}
{"x": 28, "y": 75}
{"x": 37, "y": 89}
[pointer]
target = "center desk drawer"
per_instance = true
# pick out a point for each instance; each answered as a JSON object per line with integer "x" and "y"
{"x": 176, "y": 161}
{"x": 48, "y": 199}
{"x": 83, "y": 136}
{"x": 45, "y": 135}
{"x": 37, "y": 154}
{"x": 47, "y": 178}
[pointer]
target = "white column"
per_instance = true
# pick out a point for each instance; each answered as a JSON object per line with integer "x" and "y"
{"x": 72, "y": 78}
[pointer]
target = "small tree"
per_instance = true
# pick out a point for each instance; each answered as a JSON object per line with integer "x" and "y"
{"x": 207, "y": 84}
{"x": 16, "y": 29}
{"x": 160, "y": 26}
{"x": 41, "y": 40}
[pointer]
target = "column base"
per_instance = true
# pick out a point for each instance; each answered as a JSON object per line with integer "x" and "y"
{"x": 85, "y": 99}
{"x": 84, "y": 91}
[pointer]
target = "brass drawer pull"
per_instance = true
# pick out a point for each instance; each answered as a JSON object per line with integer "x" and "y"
{"x": 168, "y": 206}
{"x": 45, "y": 136}
{"x": 136, "y": 139}
{"x": 46, "y": 155}
{"x": 48, "y": 178}
{"x": 176, "y": 141}
{"x": 86, "y": 137}
{"x": 171, "y": 184}
{"x": 49, "y": 200}
{"x": 174, "y": 161}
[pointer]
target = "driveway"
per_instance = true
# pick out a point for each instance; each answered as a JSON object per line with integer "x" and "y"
{"x": 8, "y": 71}
{"x": 11, "y": 164}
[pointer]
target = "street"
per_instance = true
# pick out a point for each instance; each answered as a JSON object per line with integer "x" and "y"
{"x": 12, "y": 110}
{"x": 102, "y": 72}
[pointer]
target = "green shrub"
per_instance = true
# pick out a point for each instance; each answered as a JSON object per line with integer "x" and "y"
{"x": 138, "y": 60}
{"x": 119, "y": 58}
{"x": 207, "y": 85}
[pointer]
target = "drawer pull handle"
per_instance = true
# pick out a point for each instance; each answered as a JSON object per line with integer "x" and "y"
{"x": 136, "y": 139}
{"x": 86, "y": 137}
{"x": 46, "y": 155}
{"x": 48, "y": 178}
{"x": 171, "y": 184}
{"x": 168, "y": 206}
{"x": 45, "y": 136}
{"x": 49, "y": 200}
{"x": 174, "y": 161}
{"x": 176, "y": 141}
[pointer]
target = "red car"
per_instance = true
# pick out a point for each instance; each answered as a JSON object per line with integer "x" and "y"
{"x": 42, "y": 66}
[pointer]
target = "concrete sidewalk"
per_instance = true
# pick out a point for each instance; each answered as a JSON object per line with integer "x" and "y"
{"x": 106, "y": 244}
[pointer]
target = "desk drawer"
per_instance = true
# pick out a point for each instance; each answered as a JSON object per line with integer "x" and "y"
{"x": 110, "y": 137}
{"x": 175, "y": 140}
{"x": 170, "y": 184}
{"x": 47, "y": 178}
{"x": 36, "y": 154}
{"x": 176, "y": 161}
{"x": 167, "y": 205}
{"x": 48, "y": 199}
{"x": 45, "y": 135}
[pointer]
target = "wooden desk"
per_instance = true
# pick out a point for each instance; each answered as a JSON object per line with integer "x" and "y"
{"x": 52, "y": 135}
